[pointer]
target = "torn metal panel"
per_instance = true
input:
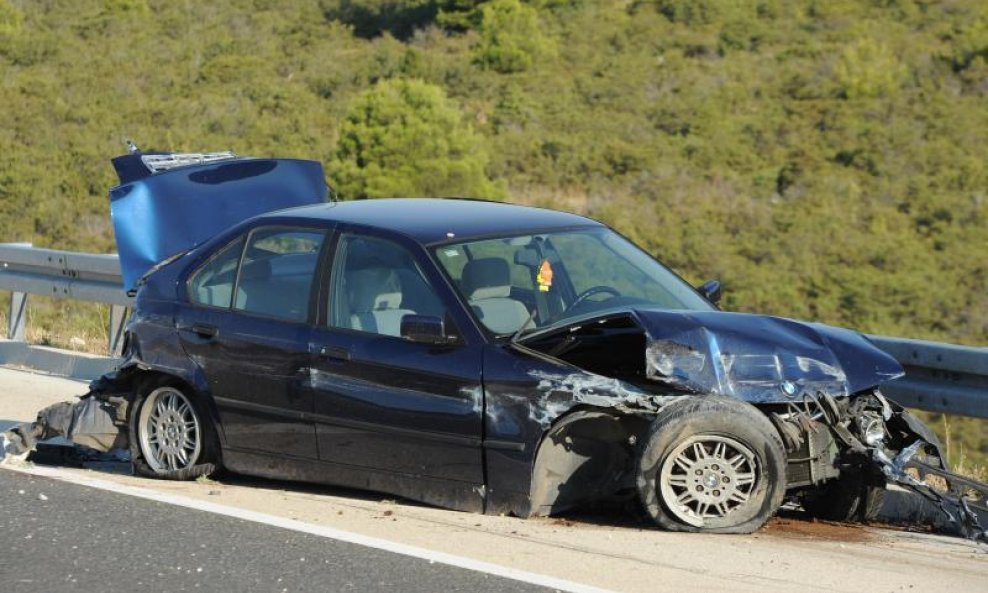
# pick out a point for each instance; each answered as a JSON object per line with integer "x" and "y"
{"x": 92, "y": 422}
{"x": 96, "y": 424}
{"x": 757, "y": 358}
{"x": 878, "y": 434}
{"x": 561, "y": 393}
{"x": 957, "y": 502}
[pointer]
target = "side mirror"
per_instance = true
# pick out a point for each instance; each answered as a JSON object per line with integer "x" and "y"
{"x": 425, "y": 329}
{"x": 711, "y": 291}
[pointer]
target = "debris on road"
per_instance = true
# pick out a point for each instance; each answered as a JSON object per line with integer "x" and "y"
{"x": 97, "y": 421}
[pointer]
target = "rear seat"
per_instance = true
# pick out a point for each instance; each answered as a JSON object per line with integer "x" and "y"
{"x": 280, "y": 295}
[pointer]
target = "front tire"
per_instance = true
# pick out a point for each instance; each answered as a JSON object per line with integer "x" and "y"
{"x": 170, "y": 437}
{"x": 711, "y": 464}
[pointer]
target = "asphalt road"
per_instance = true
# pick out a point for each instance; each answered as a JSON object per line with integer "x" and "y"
{"x": 103, "y": 531}
{"x": 65, "y": 537}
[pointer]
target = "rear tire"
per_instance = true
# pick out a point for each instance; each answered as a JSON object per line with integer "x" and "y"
{"x": 711, "y": 464}
{"x": 170, "y": 436}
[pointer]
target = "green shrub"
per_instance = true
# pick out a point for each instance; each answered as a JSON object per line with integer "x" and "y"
{"x": 868, "y": 69}
{"x": 10, "y": 18}
{"x": 407, "y": 138}
{"x": 510, "y": 36}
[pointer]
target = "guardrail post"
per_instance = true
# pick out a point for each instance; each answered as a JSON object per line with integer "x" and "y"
{"x": 118, "y": 317}
{"x": 17, "y": 320}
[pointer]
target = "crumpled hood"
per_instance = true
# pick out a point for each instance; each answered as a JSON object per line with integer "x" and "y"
{"x": 759, "y": 358}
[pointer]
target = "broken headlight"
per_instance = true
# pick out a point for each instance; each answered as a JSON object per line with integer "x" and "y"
{"x": 871, "y": 428}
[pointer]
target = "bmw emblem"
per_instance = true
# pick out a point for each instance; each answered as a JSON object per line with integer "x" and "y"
{"x": 788, "y": 388}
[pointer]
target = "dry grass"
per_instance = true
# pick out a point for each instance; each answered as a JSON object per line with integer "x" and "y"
{"x": 69, "y": 325}
{"x": 77, "y": 341}
{"x": 976, "y": 471}
{"x": 963, "y": 460}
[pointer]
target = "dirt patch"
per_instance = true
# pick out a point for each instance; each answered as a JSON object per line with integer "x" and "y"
{"x": 816, "y": 529}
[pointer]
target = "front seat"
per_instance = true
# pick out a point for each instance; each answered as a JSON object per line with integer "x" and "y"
{"x": 487, "y": 284}
{"x": 375, "y": 301}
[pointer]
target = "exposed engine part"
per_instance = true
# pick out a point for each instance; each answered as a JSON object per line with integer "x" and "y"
{"x": 957, "y": 501}
{"x": 813, "y": 461}
{"x": 812, "y": 428}
{"x": 812, "y": 450}
{"x": 871, "y": 429}
{"x": 792, "y": 435}
{"x": 871, "y": 416}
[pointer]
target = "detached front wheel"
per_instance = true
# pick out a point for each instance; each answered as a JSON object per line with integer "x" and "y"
{"x": 711, "y": 464}
{"x": 170, "y": 437}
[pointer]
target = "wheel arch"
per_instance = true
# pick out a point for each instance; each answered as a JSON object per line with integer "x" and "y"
{"x": 140, "y": 378}
{"x": 586, "y": 455}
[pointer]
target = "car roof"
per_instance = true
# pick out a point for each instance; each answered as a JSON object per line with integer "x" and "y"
{"x": 429, "y": 220}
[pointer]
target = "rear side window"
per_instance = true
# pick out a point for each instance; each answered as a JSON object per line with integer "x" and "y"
{"x": 212, "y": 284}
{"x": 277, "y": 272}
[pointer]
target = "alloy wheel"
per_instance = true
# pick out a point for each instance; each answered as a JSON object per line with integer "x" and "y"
{"x": 170, "y": 430}
{"x": 708, "y": 477}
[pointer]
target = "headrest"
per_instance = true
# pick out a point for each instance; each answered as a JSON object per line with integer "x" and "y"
{"x": 373, "y": 289}
{"x": 486, "y": 278}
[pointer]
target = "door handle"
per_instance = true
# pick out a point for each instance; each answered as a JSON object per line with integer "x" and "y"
{"x": 204, "y": 330}
{"x": 334, "y": 353}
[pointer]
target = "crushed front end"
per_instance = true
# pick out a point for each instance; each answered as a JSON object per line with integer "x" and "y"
{"x": 843, "y": 453}
{"x": 819, "y": 386}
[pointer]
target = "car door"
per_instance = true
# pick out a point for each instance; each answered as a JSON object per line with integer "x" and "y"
{"x": 384, "y": 402}
{"x": 247, "y": 326}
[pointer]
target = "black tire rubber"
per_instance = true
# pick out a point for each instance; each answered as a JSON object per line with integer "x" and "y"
{"x": 719, "y": 416}
{"x": 209, "y": 458}
{"x": 848, "y": 498}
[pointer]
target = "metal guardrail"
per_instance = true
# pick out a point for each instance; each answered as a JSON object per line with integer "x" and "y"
{"x": 25, "y": 270}
{"x": 939, "y": 377}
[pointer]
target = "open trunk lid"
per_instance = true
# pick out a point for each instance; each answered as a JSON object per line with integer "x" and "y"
{"x": 167, "y": 203}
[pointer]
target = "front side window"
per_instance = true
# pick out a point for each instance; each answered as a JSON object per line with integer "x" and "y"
{"x": 559, "y": 276}
{"x": 212, "y": 284}
{"x": 276, "y": 274}
{"x": 376, "y": 283}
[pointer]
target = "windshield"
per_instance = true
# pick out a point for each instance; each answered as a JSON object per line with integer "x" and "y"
{"x": 559, "y": 276}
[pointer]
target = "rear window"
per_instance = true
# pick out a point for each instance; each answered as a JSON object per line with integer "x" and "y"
{"x": 272, "y": 276}
{"x": 277, "y": 272}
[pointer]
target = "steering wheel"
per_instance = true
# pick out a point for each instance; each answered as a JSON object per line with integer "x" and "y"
{"x": 586, "y": 294}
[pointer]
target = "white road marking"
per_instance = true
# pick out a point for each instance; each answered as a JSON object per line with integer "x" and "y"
{"x": 317, "y": 530}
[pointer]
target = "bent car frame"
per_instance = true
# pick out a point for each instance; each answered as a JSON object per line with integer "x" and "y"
{"x": 478, "y": 356}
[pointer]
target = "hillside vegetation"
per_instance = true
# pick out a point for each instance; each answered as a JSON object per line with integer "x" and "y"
{"x": 826, "y": 160}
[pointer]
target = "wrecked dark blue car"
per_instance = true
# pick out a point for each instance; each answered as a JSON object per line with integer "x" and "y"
{"x": 473, "y": 355}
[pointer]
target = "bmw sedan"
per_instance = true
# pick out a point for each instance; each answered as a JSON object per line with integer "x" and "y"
{"x": 478, "y": 356}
